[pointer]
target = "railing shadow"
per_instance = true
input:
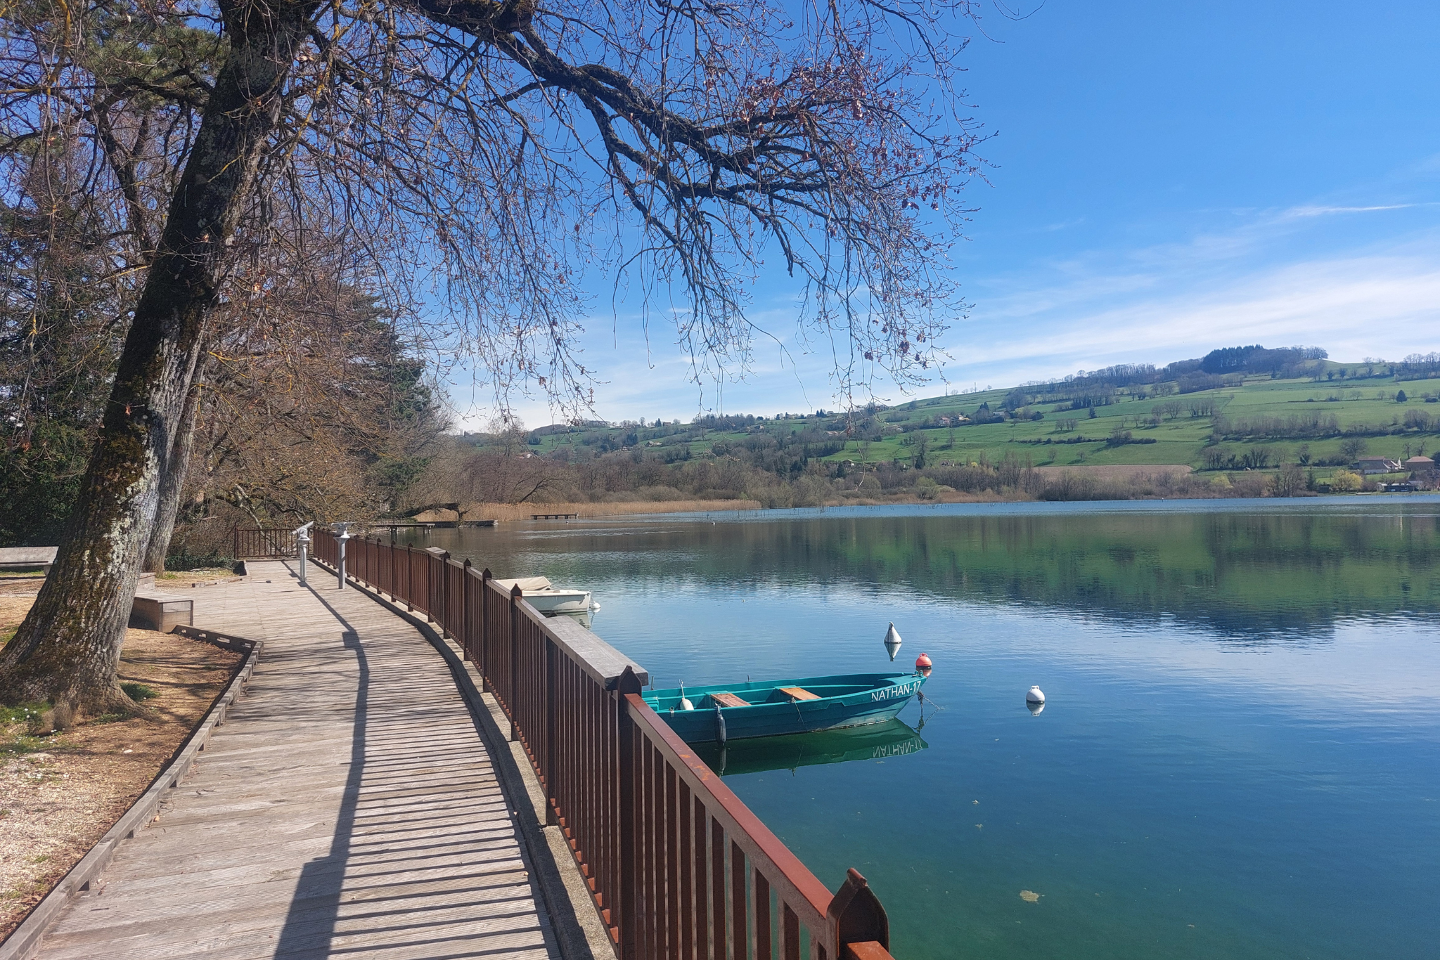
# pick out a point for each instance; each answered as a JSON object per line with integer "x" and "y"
{"x": 422, "y": 860}
{"x": 315, "y": 908}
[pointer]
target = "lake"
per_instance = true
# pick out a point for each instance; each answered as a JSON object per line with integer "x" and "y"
{"x": 1239, "y": 755}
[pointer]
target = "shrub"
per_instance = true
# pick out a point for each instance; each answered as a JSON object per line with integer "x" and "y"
{"x": 1346, "y": 481}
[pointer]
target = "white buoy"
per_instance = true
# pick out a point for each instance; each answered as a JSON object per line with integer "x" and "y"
{"x": 892, "y": 641}
{"x": 1035, "y": 695}
{"x": 685, "y": 703}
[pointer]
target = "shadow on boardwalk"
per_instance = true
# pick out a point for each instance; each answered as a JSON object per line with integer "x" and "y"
{"x": 347, "y": 809}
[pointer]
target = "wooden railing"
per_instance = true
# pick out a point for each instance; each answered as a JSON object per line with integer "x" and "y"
{"x": 258, "y": 543}
{"x": 677, "y": 866}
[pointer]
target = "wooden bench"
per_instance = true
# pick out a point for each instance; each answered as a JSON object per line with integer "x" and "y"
{"x": 799, "y": 693}
{"x": 161, "y": 613}
{"x": 28, "y": 558}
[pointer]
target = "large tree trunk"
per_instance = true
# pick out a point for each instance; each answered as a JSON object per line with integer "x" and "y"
{"x": 68, "y": 648}
{"x": 172, "y": 484}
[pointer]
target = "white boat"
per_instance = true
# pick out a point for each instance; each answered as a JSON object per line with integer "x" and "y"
{"x": 541, "y": 594}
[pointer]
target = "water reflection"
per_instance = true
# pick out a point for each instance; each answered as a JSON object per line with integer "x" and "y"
{"x": 1241, "y": 575}
{"x": 877, "y": 741}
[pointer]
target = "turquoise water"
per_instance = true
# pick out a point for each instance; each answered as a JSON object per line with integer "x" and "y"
{"x": 1240, "y": 751}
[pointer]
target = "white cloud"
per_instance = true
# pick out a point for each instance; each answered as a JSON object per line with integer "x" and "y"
{"x": 1302, "y": 275}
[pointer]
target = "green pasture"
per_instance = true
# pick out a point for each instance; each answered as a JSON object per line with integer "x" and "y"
{"x": 1066, "y": 437}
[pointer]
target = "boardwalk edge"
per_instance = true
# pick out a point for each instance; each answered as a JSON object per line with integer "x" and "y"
{"x": 552, "y": 872}
{"x": 25, "y": 940}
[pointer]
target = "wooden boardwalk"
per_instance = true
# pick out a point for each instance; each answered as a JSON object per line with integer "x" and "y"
{"x": 347, "y": 808}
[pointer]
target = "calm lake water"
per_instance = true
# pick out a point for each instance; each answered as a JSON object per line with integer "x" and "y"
{"x": 1240, "y": 751}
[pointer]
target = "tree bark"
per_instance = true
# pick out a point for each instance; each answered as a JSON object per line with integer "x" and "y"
{"x": 172, "y": 484}
{"x": 68, "y": 648}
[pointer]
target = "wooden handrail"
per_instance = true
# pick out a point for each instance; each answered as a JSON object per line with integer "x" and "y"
{"x": 673, "y": 859}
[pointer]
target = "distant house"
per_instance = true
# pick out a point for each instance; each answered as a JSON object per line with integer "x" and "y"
{"x": 1370, "y": 466}
{"x": 1420, "y": 465}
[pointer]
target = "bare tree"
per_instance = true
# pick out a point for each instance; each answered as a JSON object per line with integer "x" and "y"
{"x": 473, "y": 149}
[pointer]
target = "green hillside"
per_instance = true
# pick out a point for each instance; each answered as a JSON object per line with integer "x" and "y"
{"x": 1319, "y": 413}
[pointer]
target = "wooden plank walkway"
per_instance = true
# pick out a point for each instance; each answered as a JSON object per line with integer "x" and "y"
{"x": 347, "y": 808}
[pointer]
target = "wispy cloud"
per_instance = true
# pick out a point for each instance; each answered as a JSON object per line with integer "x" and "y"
{"x": 1370, "y": 304}
{"x": 1302, "y": 274}
{"x": 1296, "y": 213}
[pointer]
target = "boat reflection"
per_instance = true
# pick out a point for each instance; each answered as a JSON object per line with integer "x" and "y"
{"x": 581, "y": 617}
{"x": 877, "y": 741}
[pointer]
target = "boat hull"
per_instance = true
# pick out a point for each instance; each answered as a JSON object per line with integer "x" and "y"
{"x": 850, "y": 700}
{"x": 559, "y": 601}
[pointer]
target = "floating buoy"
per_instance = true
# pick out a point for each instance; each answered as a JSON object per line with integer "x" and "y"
{"x": 892, "y": 641}
{"x": 1035, "y": 695}
{"x": 923, "y": 665}
{"x": 685, "y": 703}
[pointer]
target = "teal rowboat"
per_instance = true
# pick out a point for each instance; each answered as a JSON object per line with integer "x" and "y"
{"x": 738, "y": 711}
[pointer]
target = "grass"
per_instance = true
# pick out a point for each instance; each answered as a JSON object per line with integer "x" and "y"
{"x": 14, "y": 723}
{"x": 139, "y": 692}
{"x": 1368, "y": 401}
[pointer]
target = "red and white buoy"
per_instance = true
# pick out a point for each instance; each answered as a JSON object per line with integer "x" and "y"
{"x": 923, "y": 665}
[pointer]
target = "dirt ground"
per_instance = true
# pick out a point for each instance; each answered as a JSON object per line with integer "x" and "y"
{"x": 60, "y": 793}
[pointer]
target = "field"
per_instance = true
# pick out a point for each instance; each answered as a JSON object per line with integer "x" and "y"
{"x": 1152, "y": 424}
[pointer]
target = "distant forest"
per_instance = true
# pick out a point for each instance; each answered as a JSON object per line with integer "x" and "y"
{"x": 1239, "y": 421}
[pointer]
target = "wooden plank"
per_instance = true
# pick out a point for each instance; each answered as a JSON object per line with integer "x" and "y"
{"x": 347, "y": 806}
{"x": 799, "y": 693}
{"x": 729, "y": 700}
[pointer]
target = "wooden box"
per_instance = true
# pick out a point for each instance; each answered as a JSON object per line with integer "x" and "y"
{"x": 161, "y": 613}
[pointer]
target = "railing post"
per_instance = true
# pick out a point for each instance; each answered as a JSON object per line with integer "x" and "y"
{"x": 409, "y": 580}
{"x": 552, "y": 726}
{"x": 855, "y": 917}
{"x": 467, "y": 629}
{"x": 341, "y": 540}
{"x": 235, "y": 534}
{"x": 444, "y": 593}
{"x": 485, "y": 577}
{"x": 628, "y": 895}
{"x": 512, "y": 694}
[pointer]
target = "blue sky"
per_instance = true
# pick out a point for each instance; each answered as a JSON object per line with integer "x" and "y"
{"x": 1164, "y": 179}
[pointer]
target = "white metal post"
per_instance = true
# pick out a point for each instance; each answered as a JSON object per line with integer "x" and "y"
{"x": 302, "y": 537}
{"x": 344, "y": 535}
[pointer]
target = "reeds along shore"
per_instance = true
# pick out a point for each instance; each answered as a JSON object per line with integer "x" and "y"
{"x": 524, "y": 511}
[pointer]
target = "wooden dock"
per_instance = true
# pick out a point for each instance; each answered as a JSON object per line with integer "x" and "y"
{"x": 347, "y": 807}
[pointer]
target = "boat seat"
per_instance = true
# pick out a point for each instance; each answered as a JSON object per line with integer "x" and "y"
{"x": 728, "y": 700}
{"x": 799, "y": 693}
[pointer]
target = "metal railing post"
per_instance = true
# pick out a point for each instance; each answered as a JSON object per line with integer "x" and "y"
{"x": 552, "y": 725}
{"x": 512, "y": 694}
{"x": 856, "y": 918}
{"x": 629, "y": 892}
{"x": 340, "y": 564}
{"x": 485, "y": 577}
{"x": 467, "y": 629}
{"x": 442, "y": 595}
{"x": 409, "y": 579}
